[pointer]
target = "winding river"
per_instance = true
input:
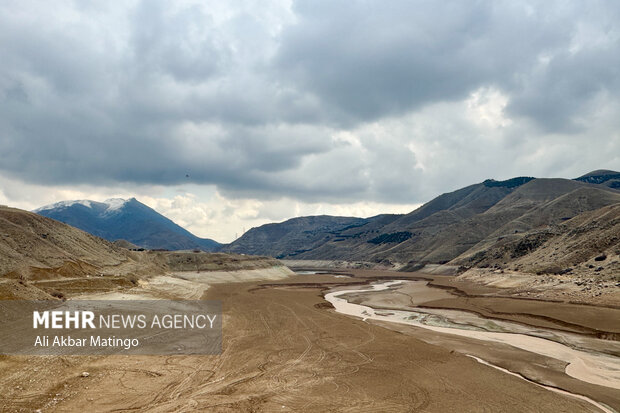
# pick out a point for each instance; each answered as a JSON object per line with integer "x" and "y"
{"x": 588, "y": 366}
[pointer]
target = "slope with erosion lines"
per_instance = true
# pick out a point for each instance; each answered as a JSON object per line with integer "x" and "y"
{"x": 28, "y": 239}
{"x": 457, "y": 224}
{"x": 422, "y": 224}
{"x": 586, "y": 245}
{"x": 298, "y": 235}
{"x": 41, "y": 258}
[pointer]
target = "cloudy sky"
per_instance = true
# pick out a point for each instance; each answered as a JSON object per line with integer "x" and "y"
{"x": 226, "y": 115}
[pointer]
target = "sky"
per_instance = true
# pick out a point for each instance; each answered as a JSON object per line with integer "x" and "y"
{"x": 225, "y": 115}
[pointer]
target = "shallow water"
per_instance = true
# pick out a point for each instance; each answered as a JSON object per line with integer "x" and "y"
{"x": 588, "y": 366}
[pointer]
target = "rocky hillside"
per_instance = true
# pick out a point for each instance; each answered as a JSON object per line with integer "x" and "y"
{"x": 41, "y": 258}
{"x": 454, "y": 227}
{"x": 31, "y": 240}
{"x": 587, "y": 245}
{"x": 299, "y": 235}
{"x": 602, "y": 176}
{"x": 129, "y": 220}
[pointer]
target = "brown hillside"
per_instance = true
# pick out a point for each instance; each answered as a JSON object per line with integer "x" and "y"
{"x": 586, "y": 245}
{"x": 30, "y": 240}
{"x": 455, "y": 225}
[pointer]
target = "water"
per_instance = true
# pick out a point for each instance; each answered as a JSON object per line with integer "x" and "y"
{"x": 588, "y": 366}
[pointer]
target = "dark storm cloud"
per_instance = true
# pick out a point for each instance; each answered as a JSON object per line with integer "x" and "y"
{"x": 556, "y": 96}
{"x": 183, "y": 45}
{"x": 255, "y": 99}
{"x": 367, "y": 60}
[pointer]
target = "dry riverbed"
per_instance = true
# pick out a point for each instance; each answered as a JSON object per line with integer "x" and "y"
{"x": 588, "y": 360}
{"x": 286, "y": 349}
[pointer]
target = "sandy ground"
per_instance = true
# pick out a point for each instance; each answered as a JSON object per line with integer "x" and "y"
{"x": 285, "y": 349}
{"x": 220, "y": 277}
{"x": 188, "y": 285}
{"x": 584, "y": 317}
{"x": 565, "y": 288}
{"x": 582, "y": 361}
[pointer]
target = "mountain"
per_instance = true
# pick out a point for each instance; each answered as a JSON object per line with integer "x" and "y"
{"x": 28, "y": 240}
{"x": 129, "y": 220}
{"x": 42, "y": 258}
{"x": 297, "y": 235}
{"x": 452, "y": 227}
{"x": 602, "y": 176}
{"x": 590, "y": 240}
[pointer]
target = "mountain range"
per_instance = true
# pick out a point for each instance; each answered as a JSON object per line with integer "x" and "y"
{"x": 523, "y": 223}
{"x": 493, "y": 223}
{"x": 130, "y": 220}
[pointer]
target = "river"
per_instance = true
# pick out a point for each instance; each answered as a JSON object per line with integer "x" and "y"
{"x": 588, "y": 366}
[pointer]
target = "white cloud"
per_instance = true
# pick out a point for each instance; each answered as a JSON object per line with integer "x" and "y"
{"x": 204, "y": 212}
{"x": 222, "y": 219}
{"x": 485, "y": 108}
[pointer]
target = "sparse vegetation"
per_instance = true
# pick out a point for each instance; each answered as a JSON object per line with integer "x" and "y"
{"x": 395, "y": 237}
{"x": 529, "y": 244}
{"x": 509, "y": 183}
{"x": 57, "y": 294}
{"x": 132, "y": 278}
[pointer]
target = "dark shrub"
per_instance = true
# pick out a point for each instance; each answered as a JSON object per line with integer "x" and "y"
{"x": 395, "y": 237}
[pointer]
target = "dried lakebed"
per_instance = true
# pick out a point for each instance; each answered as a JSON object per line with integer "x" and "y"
{"x": 587, "y": 359}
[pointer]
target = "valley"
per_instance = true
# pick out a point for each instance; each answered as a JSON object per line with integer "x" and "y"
{"x": 531, "y": 226}
{"x": 480, "y": 300}
{"x": 285, "y": 348}
{"x": 310, "y": 206}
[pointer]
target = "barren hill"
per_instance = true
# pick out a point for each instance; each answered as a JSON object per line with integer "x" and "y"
{"x": 588, "y": 244}
{"x": 454, "y": 226}
{"x": 297, "y": 235}
{"x": 41, "y": 258}
{"x": 31, "y": 240}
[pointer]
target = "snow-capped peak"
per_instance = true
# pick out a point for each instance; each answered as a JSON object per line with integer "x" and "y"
{"x": 111, "y": 205}
{"x": 65, "y": 204}
{"x": 115, "y": 204}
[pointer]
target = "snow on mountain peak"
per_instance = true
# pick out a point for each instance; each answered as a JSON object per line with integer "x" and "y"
{"x": 112, "y": 204}
{"x": 115, "y": 204}
{"x": 65, "y": 204}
